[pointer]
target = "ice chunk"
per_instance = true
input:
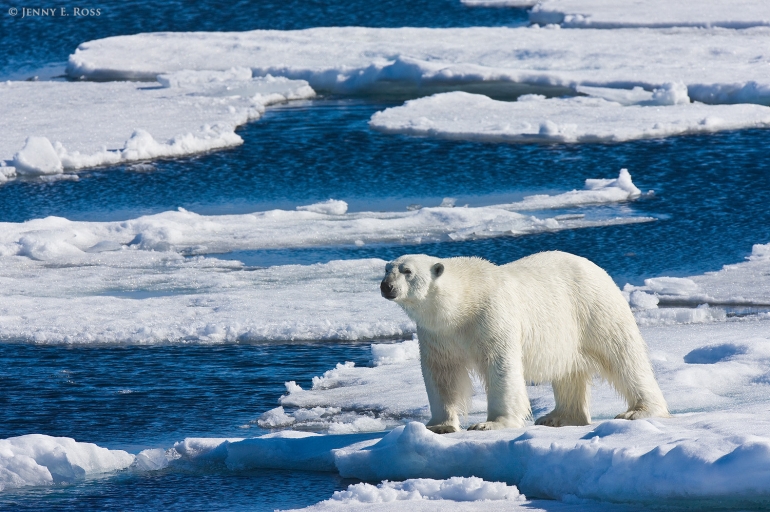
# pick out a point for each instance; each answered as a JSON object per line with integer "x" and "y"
{"x": 275, "y": 418}
{"x": 37, "y": 157}
{"x": 667, "y": 94}
{"x": 7, "y": 173}
{"x": 642, "y": 300}
{"x": 151, "y": 459}
{"x": 395, "y": 353}
{"x": 650, "y": 13}
{"x": 36, "y": 459}
{"x": 330, "y": 207}
{"x": 452, "y": 489}
{"x": 671, "y": 285}
{"x": 739, "y": 284}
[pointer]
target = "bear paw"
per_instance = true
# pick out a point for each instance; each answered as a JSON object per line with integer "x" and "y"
{"x": 633, "y": 414}
{"x": 487, "y": 425}
{"x": 550, "y": 421}
{"x": 555, "y": 420}
{"x": 442, "y": 429}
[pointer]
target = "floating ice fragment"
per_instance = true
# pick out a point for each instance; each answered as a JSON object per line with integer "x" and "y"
{"x": 363, "y": 424}
{"x": 37, "y": 459}
{"x": 152, "y": 459}
{"x": 671, "y": 93}
{"x": 330, "y": 207}
{"x": 395, "y": 353}
{"x": 671, "y": 285}
{"x": 37, "y": 157}
{"x": 292, "y": 387}
{"x": 623, "y": 182}
{"x": 452, "y": 489}
{"x": 275, "y": 418}
{"x": 7, "y": 173}
{"x": 642, "y": 300}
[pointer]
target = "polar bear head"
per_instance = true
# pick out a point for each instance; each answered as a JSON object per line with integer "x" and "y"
{"x": 409, "y": 279}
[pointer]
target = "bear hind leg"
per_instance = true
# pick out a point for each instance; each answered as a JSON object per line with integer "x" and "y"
{"x": 633, "y": 378}
{"x": 572, "y": 395}
{"x": 643, "y": 396}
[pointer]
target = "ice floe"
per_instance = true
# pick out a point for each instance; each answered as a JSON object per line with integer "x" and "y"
{"x": 37, "y": 459}
{"x": 716, "y": 65}
{"x": 147, "y": 280}
{"x": 649, "y": 13}
{"x": 533, "y": 118}
{"x": 133, "y": 285}
{"x": 320, "y": 224}
{"x": 744, "y": 288}
{"x": 715, "y": 446}
{"x": 65, "y": 126}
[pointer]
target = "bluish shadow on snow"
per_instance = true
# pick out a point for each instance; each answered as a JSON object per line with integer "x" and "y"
{"x": 714, "y": 354}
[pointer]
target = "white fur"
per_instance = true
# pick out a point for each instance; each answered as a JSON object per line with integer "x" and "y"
{"x": 550, "y": 317}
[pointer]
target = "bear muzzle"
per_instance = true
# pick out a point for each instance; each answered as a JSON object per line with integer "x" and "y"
{"x": 387, "y": 290}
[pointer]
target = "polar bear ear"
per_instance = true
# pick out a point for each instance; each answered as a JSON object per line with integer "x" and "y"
{"x": 437, "y": 269}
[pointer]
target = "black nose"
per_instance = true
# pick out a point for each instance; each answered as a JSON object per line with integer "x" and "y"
{"x": 387, "y": 290}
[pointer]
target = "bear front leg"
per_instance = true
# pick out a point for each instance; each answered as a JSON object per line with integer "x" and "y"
{"x": 572, "y": 395}
{"x": 448, "y": 385}
{"x": 507, "y": 401}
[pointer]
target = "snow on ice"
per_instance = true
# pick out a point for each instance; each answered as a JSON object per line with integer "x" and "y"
{"x": 37, "y": 459}
{"x": 124, "y": 291}
{"x": 715, "y": 446}
{"x": 736, "y": 14}
{"x": 66, "y": 126}
{"x": 126, "y": 279}
{"x": 664, "y": 112}
{"x": 716, "y": 65}
{"x": 743, "y": 287}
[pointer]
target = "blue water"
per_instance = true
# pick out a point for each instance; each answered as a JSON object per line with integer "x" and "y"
{"x": 710, "y": 200}
{"x": 137, "y": 397}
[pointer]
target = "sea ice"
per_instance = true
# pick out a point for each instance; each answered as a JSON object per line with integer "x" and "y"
{"x": 715, "y": 446}
{"x": 126, "y": 279}
{"x": 451, "y": 489}
{"x": 499, "y": 3}
{"x": 82, "y": 282}
{"x": 36, "y": 459}
{"x": 745, "y": 284}
{"x": 75, "y": 125}
{"x": 320, "y": 224}
{"x": 736, "y": 14}
{"x": 716, "y": 65}
{"x": 533, "y": 118}
{"x": 37, "y": 157}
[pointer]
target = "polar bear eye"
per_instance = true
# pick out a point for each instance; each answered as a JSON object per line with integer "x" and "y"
{"x": 406, "y": 271}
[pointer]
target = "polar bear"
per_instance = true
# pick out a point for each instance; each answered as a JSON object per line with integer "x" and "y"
{"x": 550, "y": 317}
